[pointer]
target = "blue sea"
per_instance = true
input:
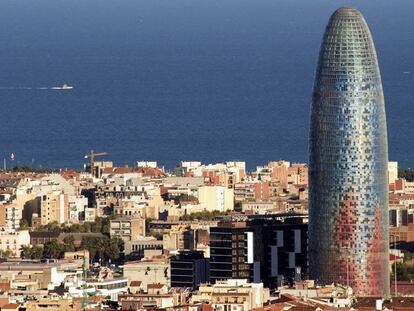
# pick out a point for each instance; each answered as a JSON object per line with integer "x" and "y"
{"x": 171, "y": 80}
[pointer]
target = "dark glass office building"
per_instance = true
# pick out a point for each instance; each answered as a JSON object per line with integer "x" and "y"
{"x": 261, "y": 248}
{"x": 348, "y": 198}
{"x": 189, "y": 269}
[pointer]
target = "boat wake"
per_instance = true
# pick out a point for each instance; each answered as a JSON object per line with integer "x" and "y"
{"x": 64, "y": 87}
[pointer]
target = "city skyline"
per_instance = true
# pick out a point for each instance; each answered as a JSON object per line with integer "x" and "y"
{"x": 220, "y": 83}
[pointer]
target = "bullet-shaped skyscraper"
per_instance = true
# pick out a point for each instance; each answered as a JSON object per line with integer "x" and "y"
{"x": 348, "y": 197}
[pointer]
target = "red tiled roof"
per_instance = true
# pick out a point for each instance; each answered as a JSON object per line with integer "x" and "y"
{"x": 135, "y": 283}
{"x": 117, "y": 170}
{"x": 403, "y": 287}
{"x": 394, "y": 257}
{"x": 70, "y": 175}
{"x": 273, "y": 307}
{"x": 399, "y": 197}
{"x": 150, "y": 172}
{"x": 10, "y": 306}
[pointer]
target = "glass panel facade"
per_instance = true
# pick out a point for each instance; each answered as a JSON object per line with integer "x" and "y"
{"x": 348, "y": 197}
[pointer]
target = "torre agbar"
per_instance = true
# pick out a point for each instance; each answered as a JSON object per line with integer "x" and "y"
{"x": 348, "y": 198}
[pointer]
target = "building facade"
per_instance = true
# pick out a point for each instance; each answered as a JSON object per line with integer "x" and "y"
{"x": 230, "y": 254}
{"x": 348, "y": 198}
{"x": 267, "y": 249}
{"x": 149, "y": 271}
{"x": 127, "y": 229}
{"x": 136, "y": 248}
{"x": 189, "y": 269}
{"x": 54, "y": 208}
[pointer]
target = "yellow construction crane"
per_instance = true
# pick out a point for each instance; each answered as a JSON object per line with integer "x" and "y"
{"x": 91, "y": 155}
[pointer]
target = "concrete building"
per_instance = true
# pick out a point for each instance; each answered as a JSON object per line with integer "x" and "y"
{"x": 13, "y": 215}
{"x": 298, "y": 174}
{"x": 51, "y": 305}
{"x": 392, "y": 171}
{"x": 237, "y": 295}
{"x": 180, "y": 237}
{"x": 216, "y": 198}
{"x": 54, "y": 208}
{"x": 51, "y": 272}
{"x": 78, "y": 257}
{"x": 127, "y": 228}
{"x": 251, "y": 191}
{"x": 280, "y": 172}
{"x": 110, "y": 288}
{"x": 77, "y": 206}
{"x": 137, "y": 246}
{"x": 147, "y": 164}
{"x": 12, "y": 241}
{"x": 258, "y": 207}
{"x": 154, "y": 271}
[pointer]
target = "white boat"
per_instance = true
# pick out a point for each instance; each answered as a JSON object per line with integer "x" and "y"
{"x": 63, "y": 87}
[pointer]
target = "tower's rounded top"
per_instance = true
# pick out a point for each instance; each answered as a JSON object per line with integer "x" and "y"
{"x": 346, "y": 12}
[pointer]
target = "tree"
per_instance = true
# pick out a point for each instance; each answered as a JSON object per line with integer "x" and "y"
{"x": 102, "y": 245}
{"x": 100, "y": 225}
{"x": 113, "y": 249}
{"x": 405, "y": 272}
{"x": 23, "y": 224}
{"x": 31, "y": 252}
{"x": 52, "y": 226}
{"x": 102, "y": 248}
{"x": 69, "y": 243}
{"x": 53, "y": 249}
{"x": 406, "y": 173}
{"x": 6, "y": 254}
{"x": 88, "y": 243}
{"x": 36, "y": 252}
{"x": 204, "y": 215}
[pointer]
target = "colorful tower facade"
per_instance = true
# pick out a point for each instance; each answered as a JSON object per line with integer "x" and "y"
{"x": 348, "y": 197}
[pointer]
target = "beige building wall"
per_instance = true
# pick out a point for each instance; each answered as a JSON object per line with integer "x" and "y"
{"x": 78, "y": 257}
{"x": 235, "y": 294}
{"x": 216, "y": 198}
{"x": 127, "y": 228}
{"x": 13, "y": 241}
{"x": 51, "y": 305}
{"x": 392, "y": 171}
{"x": 54, "y": 208}
{"x": 280, "y": 172}
{"x": 148, "y": 272}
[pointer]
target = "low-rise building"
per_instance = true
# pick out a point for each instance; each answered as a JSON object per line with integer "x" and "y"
{"x": 149, "y": 271}
{"x": 216, "y": 198}
{"x": 51, "y": 305}
{"x": 12, "y": 241}
{"x": 236, "y": 294}
{"x": 110, "y": 288}
{"x": 127, "y": 228}
{"x": 49, "y": 272}
{"x": 189, "y": 269}
{"x": 79, "y": 257}
{"x": 54, "y": 207}
{"x": 137, "y": 247}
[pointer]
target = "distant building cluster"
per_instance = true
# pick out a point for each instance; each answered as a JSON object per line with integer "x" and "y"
{"x": 203, "y": 236}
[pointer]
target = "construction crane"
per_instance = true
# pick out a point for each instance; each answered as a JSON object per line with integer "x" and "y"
{"x": 91, "y": 155}
{"x": 84, "y": 285}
